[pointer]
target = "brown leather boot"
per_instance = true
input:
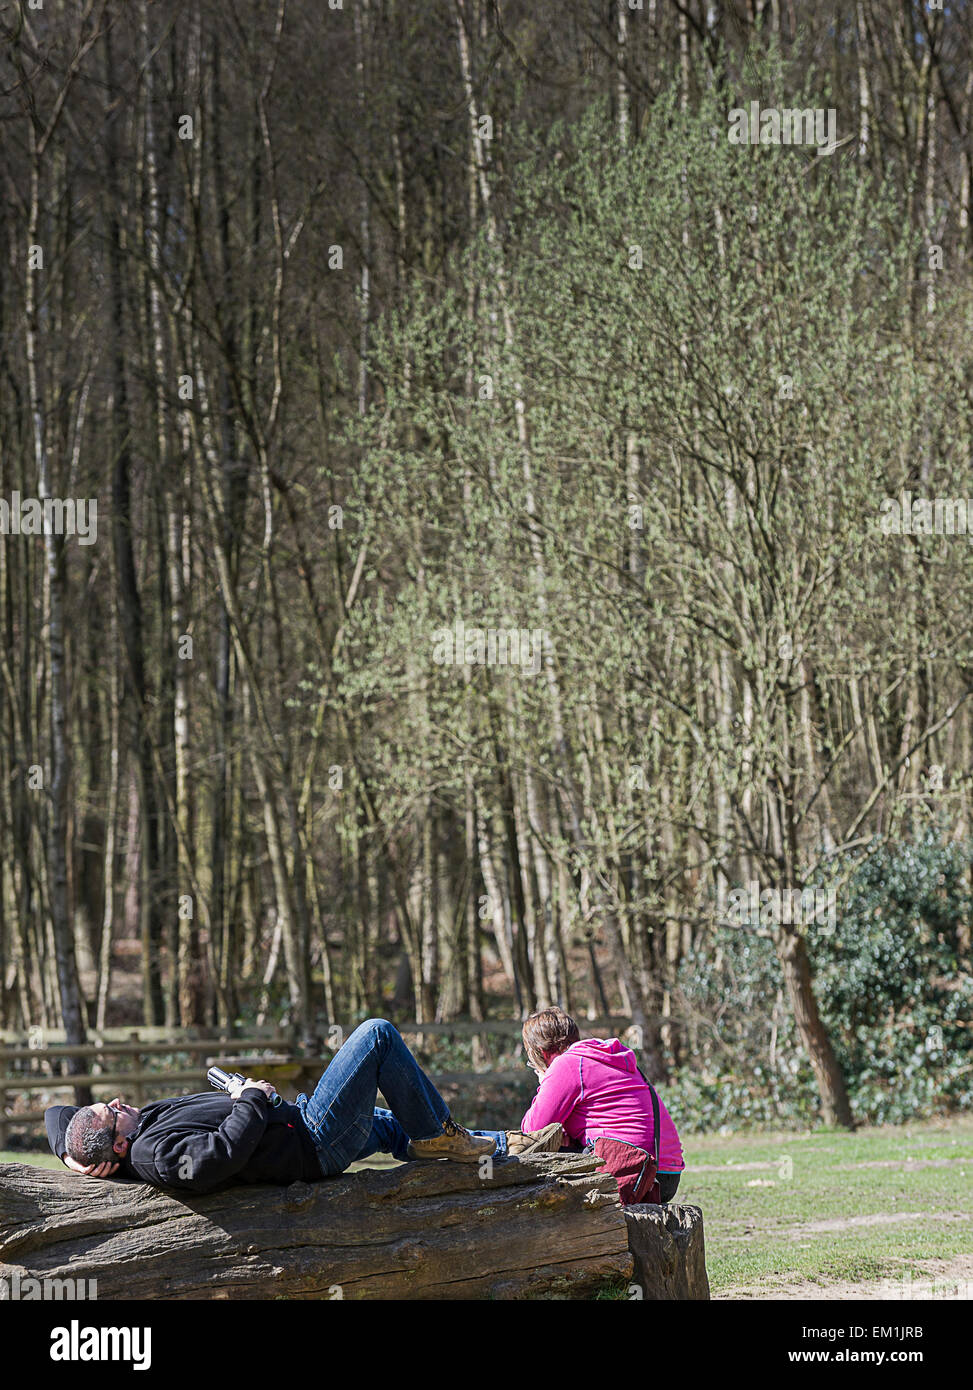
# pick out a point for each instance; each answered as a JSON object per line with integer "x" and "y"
{"x": 455, "y": 1143}
{"x": 544, "y": 1141}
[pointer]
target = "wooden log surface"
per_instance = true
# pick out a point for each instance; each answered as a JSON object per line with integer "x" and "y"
{"x": 544, "y": 1226}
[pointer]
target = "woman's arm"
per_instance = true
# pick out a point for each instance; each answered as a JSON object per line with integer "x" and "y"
{"x": 557, "y": 1095}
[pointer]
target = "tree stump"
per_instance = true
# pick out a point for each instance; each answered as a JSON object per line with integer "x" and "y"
{"x": 670, "y": 1258}
{"x": 549, "y": 1226}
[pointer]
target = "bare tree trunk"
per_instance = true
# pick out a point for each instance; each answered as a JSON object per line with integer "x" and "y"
{"x": 111, "y": 830}
{"x": 130, "y": 599}
{"x": 792, "y": 953}
{"x": 68, "y": 989}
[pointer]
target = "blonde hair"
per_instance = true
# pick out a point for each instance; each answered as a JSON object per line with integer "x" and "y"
{"x": 547, "y": 1034}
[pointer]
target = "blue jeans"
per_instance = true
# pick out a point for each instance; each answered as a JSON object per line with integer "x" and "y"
{"x": 341, "y": 1116}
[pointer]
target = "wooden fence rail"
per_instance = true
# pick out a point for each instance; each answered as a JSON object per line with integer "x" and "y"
{"x": 45, "y": 1039}
{"x": 271, "y": 1054}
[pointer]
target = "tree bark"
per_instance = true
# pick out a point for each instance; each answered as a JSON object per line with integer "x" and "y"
{"x": 547, "y": 1227}
{"x": 670, "y": 1254}
{"x": 796, "y": 967}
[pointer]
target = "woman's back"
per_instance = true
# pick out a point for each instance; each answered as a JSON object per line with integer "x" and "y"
{"x": 595, "y": 1088}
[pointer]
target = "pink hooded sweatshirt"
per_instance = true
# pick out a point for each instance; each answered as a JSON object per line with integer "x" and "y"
{"x": 594, "y": 1088}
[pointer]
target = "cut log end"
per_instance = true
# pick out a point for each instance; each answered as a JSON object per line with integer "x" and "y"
{"x": 670, "y": 1256}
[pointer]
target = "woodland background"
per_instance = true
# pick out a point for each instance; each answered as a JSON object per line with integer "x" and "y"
{"x": 357, "y": 322}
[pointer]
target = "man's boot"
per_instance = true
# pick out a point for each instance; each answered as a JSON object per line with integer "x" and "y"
{"x": 544, "y": 1141}
{"x": 455, "y": 1143}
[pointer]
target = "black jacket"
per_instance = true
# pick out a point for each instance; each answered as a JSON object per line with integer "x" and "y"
{"x": 204, "y": 1142}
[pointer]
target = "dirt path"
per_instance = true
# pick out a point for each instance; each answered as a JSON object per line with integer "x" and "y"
{"x": 908, "y": 1165}
{"x": 941, "y": 1281}
{"x": 798, "y": 1231}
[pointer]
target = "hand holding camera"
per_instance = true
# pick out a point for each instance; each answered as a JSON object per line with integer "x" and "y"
{"x": 237, "y": 1086}
{"x": 233, "y": 1083}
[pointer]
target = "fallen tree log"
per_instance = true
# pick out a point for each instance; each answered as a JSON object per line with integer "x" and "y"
{"x": 670, "y": 1257}
{"x": 544, "y": 1226}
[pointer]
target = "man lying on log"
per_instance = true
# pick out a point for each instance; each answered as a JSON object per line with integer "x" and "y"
{"x": 203, "y": 1142}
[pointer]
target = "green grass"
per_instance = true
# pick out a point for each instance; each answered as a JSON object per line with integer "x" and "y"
{"x": 754, "y": 1233}
{"x": 34, "y": 1159}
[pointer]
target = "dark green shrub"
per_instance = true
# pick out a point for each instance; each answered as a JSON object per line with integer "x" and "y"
{"x": 894, "y": 989}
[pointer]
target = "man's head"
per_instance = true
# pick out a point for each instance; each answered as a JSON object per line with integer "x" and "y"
{"x": 101, "y": 1133}
{"x": 547, "y": 1034}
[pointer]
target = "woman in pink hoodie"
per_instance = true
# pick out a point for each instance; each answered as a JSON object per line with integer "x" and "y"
{"x": 593, "y": 1087}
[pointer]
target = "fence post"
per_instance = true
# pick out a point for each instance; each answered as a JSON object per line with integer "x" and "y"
{"x": 137, "y": 1085}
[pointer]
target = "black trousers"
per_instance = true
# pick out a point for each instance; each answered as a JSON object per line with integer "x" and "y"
{"x": 668, "y": 1183}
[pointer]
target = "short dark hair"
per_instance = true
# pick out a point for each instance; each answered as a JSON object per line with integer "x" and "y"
{"x": 547, "y": 1034}
{"x": 88, "y": 1141}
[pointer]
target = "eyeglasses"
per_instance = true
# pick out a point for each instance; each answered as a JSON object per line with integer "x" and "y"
{"x": 116, "y": 1112}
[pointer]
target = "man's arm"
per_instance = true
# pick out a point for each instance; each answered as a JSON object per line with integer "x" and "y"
{"x": 201, "y": 1160}
{"x": 56, "y": 1119}
{"x": 93, "y": 1170}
